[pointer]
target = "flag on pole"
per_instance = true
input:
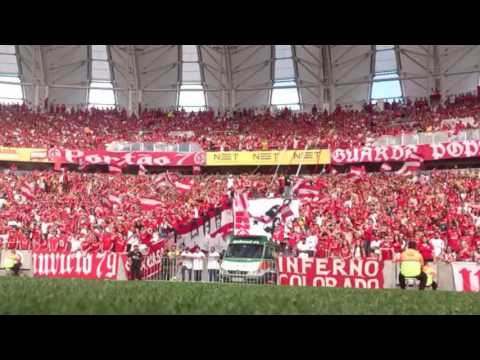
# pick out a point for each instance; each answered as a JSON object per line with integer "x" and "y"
{"x": 240, "y": 214}
{"x": 305, "y": 191}
{"x": 184, "y": 186}
{"x": 28, "y": 191}
{"x": 149, "y": 204}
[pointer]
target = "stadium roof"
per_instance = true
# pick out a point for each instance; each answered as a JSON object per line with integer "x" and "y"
{"x": 227, "y": 76}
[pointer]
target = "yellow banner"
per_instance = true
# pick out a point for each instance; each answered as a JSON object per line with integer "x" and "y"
{"x": 23, "y": 154}
{"x": 289, "y": 157}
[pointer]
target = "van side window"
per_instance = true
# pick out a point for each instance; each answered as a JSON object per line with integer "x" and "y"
{"x": 268, "y": 253}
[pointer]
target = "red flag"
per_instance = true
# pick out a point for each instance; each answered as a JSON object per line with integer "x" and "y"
{"x": 149, "y": 204}
{"x": 240, "y": 202}
{"x": 224, "y": 230}
{"x": 28, "y": 190}
{"x": 183, "y": 186}
{"x": 115, "y": 199}
{"x": 241, "y": 216}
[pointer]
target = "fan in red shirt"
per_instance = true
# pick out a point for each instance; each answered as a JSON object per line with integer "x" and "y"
{"x": 52, "y": 242}
{"x": 426, "y": 249}
{"x": 120, "y": 244}
{"x": 25, "y": 243}
{"x": 63, "y": 243}
{"x": 386, "y": 249}
{"x": 465, "y": 253}
{"x": 345, "y": 251}
{"x": 12, "y": 239}
{"x": 107, "y": 242}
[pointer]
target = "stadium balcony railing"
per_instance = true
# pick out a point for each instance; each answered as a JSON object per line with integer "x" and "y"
{"x": 153, "y": 147}
{"x": 428, "y": 138}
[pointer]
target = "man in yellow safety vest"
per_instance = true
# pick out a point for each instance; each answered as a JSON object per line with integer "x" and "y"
{"x": 411, "y": 266}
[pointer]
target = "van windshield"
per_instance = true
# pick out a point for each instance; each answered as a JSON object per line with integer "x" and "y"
{"x": 250, "y": 251}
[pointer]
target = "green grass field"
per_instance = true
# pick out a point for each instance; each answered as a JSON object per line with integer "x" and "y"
{"x": 55, "y": 296}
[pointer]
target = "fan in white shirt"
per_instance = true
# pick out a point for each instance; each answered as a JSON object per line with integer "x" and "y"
{"x": 187, "y": 264}
{"x": 438, "y": 246}
{"x": 198, "y": 261}
{"x": 213, "y": 265}
{"x": 74, "y": 243}
{"x": 302, "y": 248}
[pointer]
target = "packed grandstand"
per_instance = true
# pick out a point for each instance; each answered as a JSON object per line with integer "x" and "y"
{"x": 369, "y": 215}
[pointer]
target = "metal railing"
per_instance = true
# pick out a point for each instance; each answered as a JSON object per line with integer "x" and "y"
{"x": 153, "y": 147}
{"x": 428, "y": 138}
{"x": 262, "y": 272}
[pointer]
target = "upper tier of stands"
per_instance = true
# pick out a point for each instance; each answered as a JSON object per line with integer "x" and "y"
{"x": 247, "y": 129}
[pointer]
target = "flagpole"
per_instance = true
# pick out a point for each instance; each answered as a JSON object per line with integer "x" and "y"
{"x": 301, "y": 161}
{"x": 278, "y": 165}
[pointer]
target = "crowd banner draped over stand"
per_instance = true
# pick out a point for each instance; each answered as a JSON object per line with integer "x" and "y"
{"x": 123, "y": 159}
{"x": 466, "y": 276}
{"x": 292, "y": 271}
{"x": 329, "y": 272}
{"x": 367, "y": 154}
{"x": 151, "y": 264}
{"x": 75, "y": 265}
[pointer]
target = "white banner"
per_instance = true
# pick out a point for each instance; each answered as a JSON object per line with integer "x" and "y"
{"x": 260, "y": 208}
{"x": 466, "y": 276}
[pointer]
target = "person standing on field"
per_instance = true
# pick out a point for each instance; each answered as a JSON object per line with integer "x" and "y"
{"x": 187, "y": 264}
{"x": 198, "y": 260}
{"x": 136, "y": 258}
{"x": 213, "y": 265}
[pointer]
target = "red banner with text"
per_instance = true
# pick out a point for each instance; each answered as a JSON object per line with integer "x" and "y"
{"x": 330, "y": 272}
{"x": 450, "y": 150}
{"x": 123, "y": 159}
{"x": 75, "y": 265}
{"x": 152, "y": 261}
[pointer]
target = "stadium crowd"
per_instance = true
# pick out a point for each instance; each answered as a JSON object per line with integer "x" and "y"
{"x": 246, "y": 129}
{"x": 372, "y": 216}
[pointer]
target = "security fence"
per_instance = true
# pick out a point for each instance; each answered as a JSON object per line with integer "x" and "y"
{"x": 245, "y": 271}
